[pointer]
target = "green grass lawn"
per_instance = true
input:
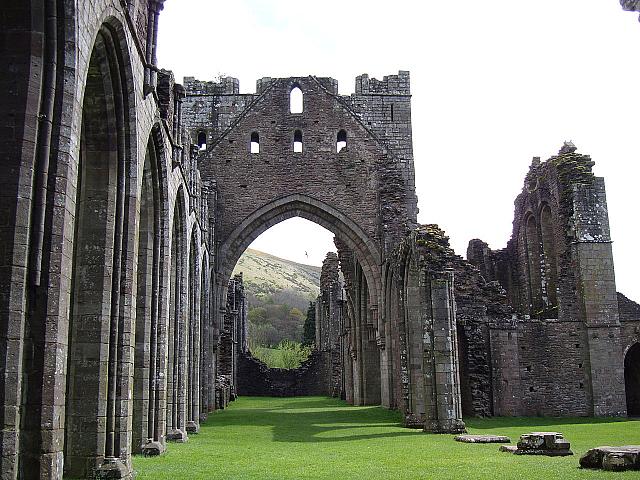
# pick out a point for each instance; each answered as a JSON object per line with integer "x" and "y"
{"x": 317, "y": 437}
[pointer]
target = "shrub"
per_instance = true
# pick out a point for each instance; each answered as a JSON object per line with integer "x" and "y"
{"x": 287, "y": 354}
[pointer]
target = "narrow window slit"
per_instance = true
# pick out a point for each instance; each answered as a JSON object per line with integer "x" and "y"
{"x": 296, "y": 99}
{"x": 341, "y": 141}
{"x": 297, "y": 141}
{"x": 202, "y": 140}
{"x": 255, "y": 143}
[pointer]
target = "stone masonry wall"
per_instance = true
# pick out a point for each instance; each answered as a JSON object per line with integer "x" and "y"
{"x": 108, "y": 319}
{"x": 358, "y": 176}
{"x": 478, "y": 303}
{"x": 329, "y": 320}
{"x": 558, "y": 265}
{"x": 313, "y": 377}
{"x": 540, "y": 368}
{"x": 55, "y": 388}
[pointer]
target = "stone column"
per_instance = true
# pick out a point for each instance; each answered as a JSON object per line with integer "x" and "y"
{"x": 443, "y": 406}
{"x": 599, "y": 301}
{"x": 194, "y": 357}
{"x": 150, "y": 71}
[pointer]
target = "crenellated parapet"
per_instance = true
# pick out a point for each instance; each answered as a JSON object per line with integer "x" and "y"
{"x": 351, "y": 143}
{"x": 399, "y": 84}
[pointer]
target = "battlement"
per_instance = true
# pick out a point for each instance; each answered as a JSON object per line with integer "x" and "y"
{"x": 224, "y": 86}
{"x": 389, "y": 85}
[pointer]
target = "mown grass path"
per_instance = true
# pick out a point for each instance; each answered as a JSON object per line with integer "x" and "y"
{"x": 324, "y": 438}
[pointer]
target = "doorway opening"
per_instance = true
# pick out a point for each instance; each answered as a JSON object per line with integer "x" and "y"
{"x": 632, "y": 380}
{"x": 281, "y": 272}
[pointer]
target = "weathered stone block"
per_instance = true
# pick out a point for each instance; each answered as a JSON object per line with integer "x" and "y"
{"x": 113, "y": 468}
{"x": 482, "y": 439}
{"x": 551, "y": 444}
{"x": 612, "y": 458}
{"x": 153, "y": 449}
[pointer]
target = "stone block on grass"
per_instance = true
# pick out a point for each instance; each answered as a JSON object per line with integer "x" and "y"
{"x": 551, "y": 444}
{"x": 482, "y": 439}
{"x": 614, "y": 459}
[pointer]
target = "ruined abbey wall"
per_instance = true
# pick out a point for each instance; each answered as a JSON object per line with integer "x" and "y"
{"x": 313, "y": 377}
{"x": 105, "y": 326}
{"x": 351, "y": 172}
{"x": 126, "y": 200}
{"x": 330, "y": 322}
{"x": 378, "y": 153}
{"x": 561, "y": 354}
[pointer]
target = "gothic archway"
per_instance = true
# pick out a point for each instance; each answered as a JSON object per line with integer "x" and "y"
{"x": 316, "y": 211}
{"x": 177, "y": 328}
{"x": 99, "y": 326}
{"x": 366, "y": 274}
{"x": 148, "y": 396}
{"x": 632, "y": 380}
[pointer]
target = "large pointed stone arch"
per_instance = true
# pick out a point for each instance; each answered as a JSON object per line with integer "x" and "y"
{"x": 299, "y": 205}
{"x": 149, "y": 395}
{"x": 103, "y": 262}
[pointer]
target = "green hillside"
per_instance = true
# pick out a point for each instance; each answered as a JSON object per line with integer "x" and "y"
{"x": 278, "y": 292}
{"x": 267, "y": 276}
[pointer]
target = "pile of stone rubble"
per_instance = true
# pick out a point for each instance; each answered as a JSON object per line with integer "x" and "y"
{"x": 554, "y": 444}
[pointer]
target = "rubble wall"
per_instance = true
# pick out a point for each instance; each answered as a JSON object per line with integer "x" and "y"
{"x": 313, "y": 377}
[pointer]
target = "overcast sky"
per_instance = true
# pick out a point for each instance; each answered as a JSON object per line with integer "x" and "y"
{"x": 494, "y": 83}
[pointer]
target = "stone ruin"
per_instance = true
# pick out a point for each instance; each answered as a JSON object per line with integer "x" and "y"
{"x": 614, "y": 459}
{"x": 127, "y": 199}
{"x": 322, "y": 373}
{"x": 550, "y": 444}
{"x": 482, "y": 439}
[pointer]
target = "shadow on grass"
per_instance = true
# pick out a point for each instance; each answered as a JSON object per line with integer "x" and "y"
{"x": 538, "y": 422}
{"x": 322, "y": 419}
{"x": 313, "y": 420}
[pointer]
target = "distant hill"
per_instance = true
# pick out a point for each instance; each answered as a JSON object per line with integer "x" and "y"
{"x": 267, "y": 276}
{"x": 278, "y": 292}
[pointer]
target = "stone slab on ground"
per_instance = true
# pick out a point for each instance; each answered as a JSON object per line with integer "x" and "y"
{"x": 482, "y": 439}
{"x": 551, "y": 444}
{"x": 614, "y": 459}
{"x": 508, "y": 448}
